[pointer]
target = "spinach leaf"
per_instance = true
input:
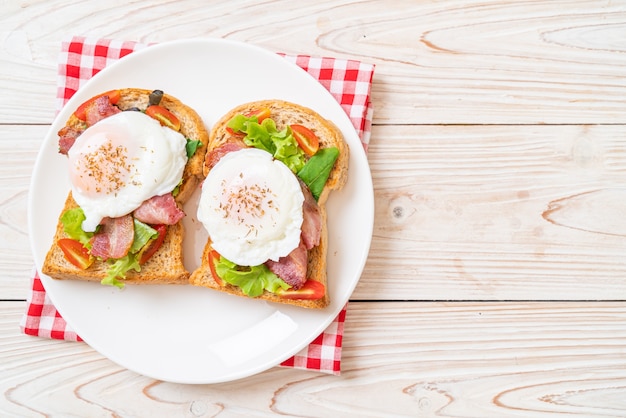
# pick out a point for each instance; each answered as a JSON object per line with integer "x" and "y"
{"x": 316, "y": 171}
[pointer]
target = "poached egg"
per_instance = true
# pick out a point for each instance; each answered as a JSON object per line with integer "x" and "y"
{"x": 122, "y": 160}
{"x": 251, "y": 206}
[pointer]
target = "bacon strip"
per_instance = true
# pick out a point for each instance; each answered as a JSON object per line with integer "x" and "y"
{"x": 213, "y": 156}
{"x": 159, "y": 210}
{"x": 99, "y": 109}
{"x": 114, "y": 238}
{"x": 67, "y": 137}
{"x": 292, "y": 268}
{"x": 312, "y": 219}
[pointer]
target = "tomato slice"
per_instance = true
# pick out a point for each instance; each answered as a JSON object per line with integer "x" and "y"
{"x": 75, "y": 253}
{"x": 164, "y": 116}
{"x": 306, "y": 138}
{"x": 312, "y": 289}
{"x": 114, "y": 97}
{"x": 214, "y": 256}
{"x": 153, "y": 244}
{"x": 261, "y": 114}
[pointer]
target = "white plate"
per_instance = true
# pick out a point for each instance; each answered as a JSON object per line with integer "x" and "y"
{"x": 189, "y": 334}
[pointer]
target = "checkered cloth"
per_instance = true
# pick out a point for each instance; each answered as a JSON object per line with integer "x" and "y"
{"x": 349, "y": 81}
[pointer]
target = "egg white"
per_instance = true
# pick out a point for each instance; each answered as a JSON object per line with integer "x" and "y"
{"x": 121, "y": 161}
{"x": 251, "y": 206}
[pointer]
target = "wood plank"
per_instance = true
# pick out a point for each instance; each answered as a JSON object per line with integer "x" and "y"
{"x": 497, "y": 212}
{"x": 443, "y": 63}
{"x": 399, "y": 359}
{"x": 19, "y": 146}
{"x": 499, "y": 168}
{"x": 462, "y": 212}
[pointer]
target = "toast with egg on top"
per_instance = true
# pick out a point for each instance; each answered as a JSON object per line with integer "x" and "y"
{"x": 156, "y": 257}
{"x": 227, "y": 144}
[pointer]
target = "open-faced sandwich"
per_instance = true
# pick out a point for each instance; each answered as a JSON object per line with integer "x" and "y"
{"x": 135, "y": 156}
{"x": 270, "y": 166}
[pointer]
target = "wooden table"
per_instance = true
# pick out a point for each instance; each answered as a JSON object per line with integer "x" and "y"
{"x": 496, "y": 281}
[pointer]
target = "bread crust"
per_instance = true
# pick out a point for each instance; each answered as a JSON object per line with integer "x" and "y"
{"x": 285, "y": 113}
{"x": 166, "y": 265}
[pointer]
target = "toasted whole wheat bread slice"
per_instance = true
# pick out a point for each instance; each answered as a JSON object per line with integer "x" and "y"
{"x": 286, "y": 113}
{"x": 166, "y": 265}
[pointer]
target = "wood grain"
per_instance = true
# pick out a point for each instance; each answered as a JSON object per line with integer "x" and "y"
{"x": 463, "y": 213}
{"x": 399, "y": 359}
{"x": 440, "y": 62}
{"x": 497, "y": 213}
{"x": 19, "y": 146}
{"x": 496, "y": 280}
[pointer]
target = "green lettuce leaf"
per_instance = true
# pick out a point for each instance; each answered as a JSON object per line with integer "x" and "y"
{"x": 119, "y": 268}
{"x": 238, "y": 122}
{"x": 288, "y": 151}
{"x": 143, "y": 234}
{"x": 260, "y": 136}
{"x": 251, "y": 280}
{"x": 281, "y": 144}
{"x": 72, "y": 221}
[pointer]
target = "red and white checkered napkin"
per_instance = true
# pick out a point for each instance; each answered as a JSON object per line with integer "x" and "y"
{"x": 349, "y": 81}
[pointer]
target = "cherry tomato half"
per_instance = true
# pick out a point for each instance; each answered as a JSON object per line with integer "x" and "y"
{"x": 306, "y": 138}
{"x": 261, "y": 114}
{"x": 153, "y": 244}
{"x": 114, "y": 97}
{"x": 214, "y": 257}
{"x": 312, "y": 289}
{"x": 164, "y": 116}
{"x": 75, "y": 253}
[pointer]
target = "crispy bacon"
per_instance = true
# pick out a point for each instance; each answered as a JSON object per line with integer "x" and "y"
{"x": 291, "y": 268}
{"x": 114, "y": 238}
{"x": 159, "y": 210}
{"x": 99, "y": 109}
{"x": 67, "y": 137}
{"x": 213, "y": 156}
{"x": 312, "y": 219}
